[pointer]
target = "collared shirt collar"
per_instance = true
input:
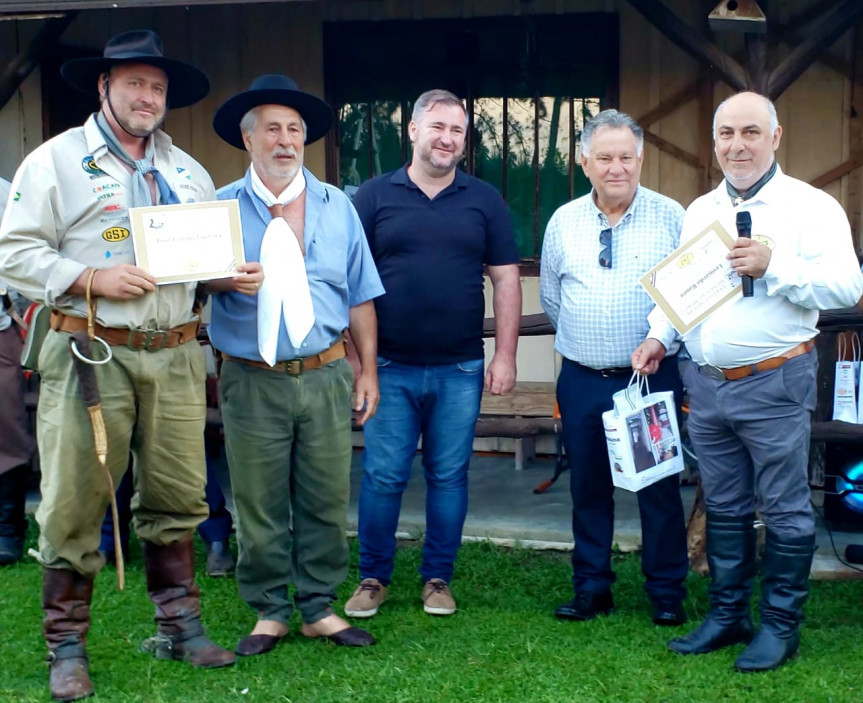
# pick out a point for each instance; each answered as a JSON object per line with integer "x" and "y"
{"x": 401, "y": 177}
{"x": 96, "y": 142}
{"x": 771, "y": 192}
{"x": 603, "y": 218}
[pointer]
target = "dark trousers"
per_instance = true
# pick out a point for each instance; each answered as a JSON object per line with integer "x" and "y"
{"x": 583, "y": 396}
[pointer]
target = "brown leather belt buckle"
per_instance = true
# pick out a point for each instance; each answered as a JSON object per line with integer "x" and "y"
{"x": 153, "y": 341}
{"x": 294, "y": 367}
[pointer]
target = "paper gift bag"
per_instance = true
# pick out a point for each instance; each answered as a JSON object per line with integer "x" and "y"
{"x": 643, "y": 438}
{"x": 844, "y": 383}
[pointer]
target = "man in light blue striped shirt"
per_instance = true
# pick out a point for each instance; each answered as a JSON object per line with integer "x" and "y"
{"x": 595, "y": 250}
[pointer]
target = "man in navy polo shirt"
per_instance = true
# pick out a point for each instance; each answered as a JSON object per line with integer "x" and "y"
{"x": 431, "y": 229}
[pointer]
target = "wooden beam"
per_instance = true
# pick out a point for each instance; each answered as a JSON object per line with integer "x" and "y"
{"x": 670, "y": 104}
{"x": 822, "y": 36}
{"x": 756, "y": 62}
{"x": 678, "y": 153}
{"x": 692, "y": 41}
{"x": 705, "y": 130}
{"x": 803, "y": 21}
{"x": 837, "y": 172}
{"x": 42, "y": 45}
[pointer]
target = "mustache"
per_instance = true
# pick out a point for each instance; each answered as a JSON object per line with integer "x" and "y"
{"x": 285, "y": 152}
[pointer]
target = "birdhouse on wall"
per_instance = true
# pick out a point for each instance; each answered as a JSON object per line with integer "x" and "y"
{"x": 738, "y": 16}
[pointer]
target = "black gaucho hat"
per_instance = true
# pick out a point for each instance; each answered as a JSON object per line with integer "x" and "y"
{"x": 272, "y": 89}
{"x": 186, "y": 84}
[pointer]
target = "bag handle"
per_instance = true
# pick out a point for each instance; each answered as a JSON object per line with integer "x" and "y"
{"x": 641, "y": 385}
{"x": 855, "y": 348}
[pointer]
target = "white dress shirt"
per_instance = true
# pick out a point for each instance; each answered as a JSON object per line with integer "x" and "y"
{"x": 812, "y": 267}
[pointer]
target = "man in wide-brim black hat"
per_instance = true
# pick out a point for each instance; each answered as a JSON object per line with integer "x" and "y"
{"x": 65, "y": 238}
{"x": 285, "y": 383}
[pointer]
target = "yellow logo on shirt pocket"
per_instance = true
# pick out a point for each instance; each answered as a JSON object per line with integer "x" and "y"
{"x": 766, "y": 241}
{"x": 115, "y": 234}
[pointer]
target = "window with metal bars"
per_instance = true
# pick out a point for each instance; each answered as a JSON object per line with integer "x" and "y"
{"x": 526, "y": 107}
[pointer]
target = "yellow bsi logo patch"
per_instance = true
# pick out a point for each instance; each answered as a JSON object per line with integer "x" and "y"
{"x": 115, "y": 234}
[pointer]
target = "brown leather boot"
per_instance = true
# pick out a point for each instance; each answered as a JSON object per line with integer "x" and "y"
{"x": 66, "y": 597}
{"x": 171, "y": 583}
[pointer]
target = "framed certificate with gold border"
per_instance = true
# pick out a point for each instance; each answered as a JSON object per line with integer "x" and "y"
{"x": 695, "y": 279}
{"x": 188, "y": 242}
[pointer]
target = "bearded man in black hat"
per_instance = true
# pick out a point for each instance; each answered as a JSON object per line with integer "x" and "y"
{"x": 65, "y": 239}
{"x": 285, "y": 384}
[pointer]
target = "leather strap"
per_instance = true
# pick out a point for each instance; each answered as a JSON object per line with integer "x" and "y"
{"x": 773, "y": 363}
{"x": 136, "y": 340}
{"x": 295, "y": 367}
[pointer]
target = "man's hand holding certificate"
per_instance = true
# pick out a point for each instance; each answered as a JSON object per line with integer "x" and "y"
{"x": 695, "y": 279}
{"x": 189, "y": 242}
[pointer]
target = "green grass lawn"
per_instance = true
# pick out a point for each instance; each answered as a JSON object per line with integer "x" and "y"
{"x": 503, "y": 644}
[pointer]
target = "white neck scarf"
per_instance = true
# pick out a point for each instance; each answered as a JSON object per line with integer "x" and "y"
{"x": 285, "y": 290}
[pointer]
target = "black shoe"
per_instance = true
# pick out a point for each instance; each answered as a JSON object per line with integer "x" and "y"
{"x": 668, "y": 611}
{"x": 220, "y": 561}
{"x": 586, "y": 606}
{"x": 11, "y": 550}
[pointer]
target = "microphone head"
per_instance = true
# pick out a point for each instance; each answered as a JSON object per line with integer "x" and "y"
{"x": 744, "y": 220}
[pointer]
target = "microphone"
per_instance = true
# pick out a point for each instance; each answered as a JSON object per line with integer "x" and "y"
{"x": 744, "y": 229}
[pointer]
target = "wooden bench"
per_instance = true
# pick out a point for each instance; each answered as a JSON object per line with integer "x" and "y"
{"x": 524, "y": 414}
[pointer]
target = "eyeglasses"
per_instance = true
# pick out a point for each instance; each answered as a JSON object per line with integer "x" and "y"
{"x": 605, "y": 254}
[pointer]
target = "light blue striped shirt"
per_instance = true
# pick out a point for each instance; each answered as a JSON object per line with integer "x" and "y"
{"x": 600, "y": 314}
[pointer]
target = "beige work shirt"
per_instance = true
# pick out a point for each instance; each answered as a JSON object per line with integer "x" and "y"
{"x": 69, "y": 211}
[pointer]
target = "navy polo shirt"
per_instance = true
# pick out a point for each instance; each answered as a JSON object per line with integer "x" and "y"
{"x": 430, "y": 256}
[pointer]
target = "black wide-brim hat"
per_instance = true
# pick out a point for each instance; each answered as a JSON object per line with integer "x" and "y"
{"x": 186, "y": 84}
{"x": 272, "y": 89}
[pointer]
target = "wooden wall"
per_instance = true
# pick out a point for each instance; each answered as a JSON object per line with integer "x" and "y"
{"x": 234, "y": 43}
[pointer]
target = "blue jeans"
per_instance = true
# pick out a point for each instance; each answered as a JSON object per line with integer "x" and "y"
{"x": 441, "y": 403}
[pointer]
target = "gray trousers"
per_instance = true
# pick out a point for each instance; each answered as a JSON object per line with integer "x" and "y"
{"x": 288, "y": 443}
{"x": 752, "y": 441}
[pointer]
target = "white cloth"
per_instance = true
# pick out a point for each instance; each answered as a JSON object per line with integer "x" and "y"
{"x": 285, "y": 290}
{"x": 812, "y": 267}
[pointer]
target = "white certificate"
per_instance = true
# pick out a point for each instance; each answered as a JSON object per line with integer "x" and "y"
{"x": 695, "y": 279}
{"x": 188, "y": 242}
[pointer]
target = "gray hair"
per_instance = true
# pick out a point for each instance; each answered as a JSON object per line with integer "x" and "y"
{"x": 613, "y": 120}
{"x": 250, "y": 121}
{"x": 768, "y": 104}
{"x": 428, "y": 100}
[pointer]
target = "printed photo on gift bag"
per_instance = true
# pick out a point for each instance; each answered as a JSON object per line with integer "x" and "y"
{"x": 844, "y": 385}
{"x": 642, "y": 437}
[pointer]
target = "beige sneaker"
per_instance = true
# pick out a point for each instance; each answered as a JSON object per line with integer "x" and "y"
{"x": 366, "y": 599}
{"x": 437, "y": 599}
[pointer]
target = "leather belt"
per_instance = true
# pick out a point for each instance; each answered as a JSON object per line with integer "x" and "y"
{"x": 614, "y": 372}
{"x": 295, "y": 367}
{"x": 136, "y": 340}
{"x": 739, "y": 372}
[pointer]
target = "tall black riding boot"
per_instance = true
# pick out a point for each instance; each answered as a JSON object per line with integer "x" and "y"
{"x": 784, "y": 589}
{"x": 13, "y": 523}
{"x": 66, "y": 597}
{"x": 171, "y": 583}
{"x": 731, "y": 544}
